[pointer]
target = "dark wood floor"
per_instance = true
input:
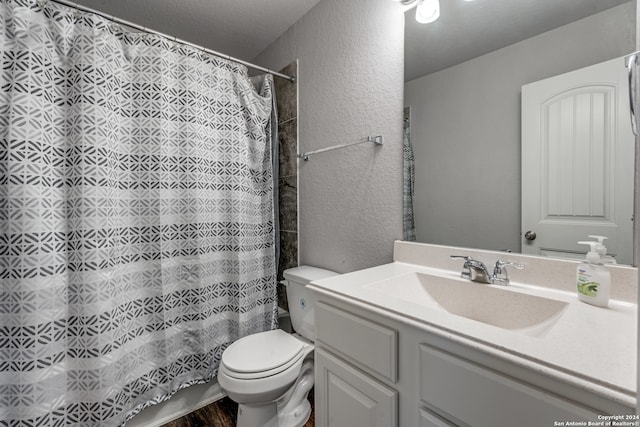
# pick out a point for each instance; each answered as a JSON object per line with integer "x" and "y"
{"x": 221, "y": 414}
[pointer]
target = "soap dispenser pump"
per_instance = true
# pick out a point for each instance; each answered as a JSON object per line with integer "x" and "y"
{"x": 601, "y": 249}
{"x": 594, "y": 279}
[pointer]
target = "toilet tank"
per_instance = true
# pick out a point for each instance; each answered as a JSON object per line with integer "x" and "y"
{"x": 301, "y": 300}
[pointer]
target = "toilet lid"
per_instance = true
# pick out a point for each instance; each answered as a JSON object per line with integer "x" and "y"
{"x": 263, "y": 351}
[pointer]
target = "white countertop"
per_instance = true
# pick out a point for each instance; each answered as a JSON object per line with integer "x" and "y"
{"x": 591, "y": 347}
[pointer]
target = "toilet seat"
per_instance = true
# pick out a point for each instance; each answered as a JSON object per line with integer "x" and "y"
{"x": 262, "y": 355}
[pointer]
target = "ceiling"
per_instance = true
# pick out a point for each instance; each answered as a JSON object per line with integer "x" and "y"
{"x": 239, "y": 28}
{"x": 467, "y": 29}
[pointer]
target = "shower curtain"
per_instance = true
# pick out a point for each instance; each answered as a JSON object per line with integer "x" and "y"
{"x": 408, "y": 188}
{"x": 136, "y": 216}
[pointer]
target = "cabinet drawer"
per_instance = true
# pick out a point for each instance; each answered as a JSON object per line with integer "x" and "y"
{"x": 362, "y": 342}
{"x": 429, "y": 419}
{"x": 483, "y": 398}
{"x": 345, "y": 397}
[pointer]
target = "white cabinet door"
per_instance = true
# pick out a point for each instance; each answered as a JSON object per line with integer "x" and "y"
{"x": 345, "y": 397}
{"x": 577, "y": 162}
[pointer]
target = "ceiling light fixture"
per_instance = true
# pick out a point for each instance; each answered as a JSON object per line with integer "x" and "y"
{"x": 426, "y": 10}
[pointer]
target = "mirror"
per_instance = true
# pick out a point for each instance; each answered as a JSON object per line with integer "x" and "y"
{"x": 463, "y": 82}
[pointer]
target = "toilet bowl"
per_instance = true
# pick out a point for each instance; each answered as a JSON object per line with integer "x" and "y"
{"x": 269, "y": 374}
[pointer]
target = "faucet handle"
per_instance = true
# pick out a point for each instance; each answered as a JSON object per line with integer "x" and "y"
{"x": 466, "y": 272}
{"x": 500, "y": 275}
{"x": 464, "y": 257}
{"x": 500, "y": 264}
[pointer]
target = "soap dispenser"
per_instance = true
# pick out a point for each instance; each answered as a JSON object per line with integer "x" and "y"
{"x": 594, "y": 279}
{"x": 601, "y": 249}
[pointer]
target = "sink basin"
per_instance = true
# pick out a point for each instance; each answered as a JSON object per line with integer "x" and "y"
{"x": 528, "y": 314}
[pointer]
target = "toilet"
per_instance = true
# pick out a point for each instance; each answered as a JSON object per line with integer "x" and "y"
{"x": 269, "y": 374}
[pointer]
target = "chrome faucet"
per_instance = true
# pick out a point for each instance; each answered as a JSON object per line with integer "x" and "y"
{"x": 474, "y": 270}
{"x": 477, "y": 271}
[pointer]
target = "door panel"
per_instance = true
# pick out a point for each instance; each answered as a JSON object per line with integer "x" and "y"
{"x": 577, "y": 162}
{"x": 347, "y": 397}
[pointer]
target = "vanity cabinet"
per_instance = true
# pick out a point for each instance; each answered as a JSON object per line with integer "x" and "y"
{"x": 481, "y": 397}
{"x": 378, "y": 370}
{"x": 350, "y": 397}
{"x": 429, "y": 419}
{"x": 355, "y": 361}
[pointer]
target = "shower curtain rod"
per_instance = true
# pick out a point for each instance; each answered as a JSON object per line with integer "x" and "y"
{"x": 112, "y": 18}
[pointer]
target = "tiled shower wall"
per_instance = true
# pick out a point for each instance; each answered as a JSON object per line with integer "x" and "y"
{"x": 287, "y": 104}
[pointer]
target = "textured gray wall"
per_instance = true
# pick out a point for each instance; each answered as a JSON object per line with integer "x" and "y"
{"x": 465, "y": 123}
{"x": 350, "y": 85}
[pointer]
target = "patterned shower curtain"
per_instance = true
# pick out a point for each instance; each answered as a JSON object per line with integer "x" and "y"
{"x": 136, "y": 216}
{"x": 408, "y": 188}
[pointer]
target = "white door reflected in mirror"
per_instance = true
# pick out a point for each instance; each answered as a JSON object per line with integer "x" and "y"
{"x": 577, "y": 162}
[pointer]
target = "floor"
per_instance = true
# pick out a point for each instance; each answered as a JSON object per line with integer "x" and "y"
{"x": 221, "y": 414}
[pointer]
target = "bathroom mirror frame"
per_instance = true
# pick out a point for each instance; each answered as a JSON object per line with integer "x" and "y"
{"x": 503, "y": 193}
